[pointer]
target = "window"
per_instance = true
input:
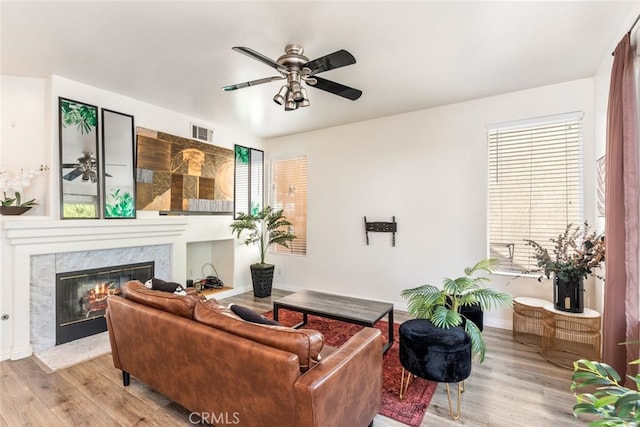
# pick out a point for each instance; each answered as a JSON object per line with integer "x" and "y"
{"x": 249, "y": 180}
{"x": 289, "y": 193}
{"x": 535, "y": 185}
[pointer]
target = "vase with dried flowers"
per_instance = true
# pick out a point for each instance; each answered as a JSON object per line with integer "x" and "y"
{"x": 577, "y": 251}
{"x": 11, "y": 185}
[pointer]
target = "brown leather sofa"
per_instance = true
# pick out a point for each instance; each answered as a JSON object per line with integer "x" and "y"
{"x": 229, "y": 371}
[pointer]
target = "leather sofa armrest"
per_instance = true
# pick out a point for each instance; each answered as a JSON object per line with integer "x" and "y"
{"x": 112, "y": 339}
{"x": 345, "y": 389}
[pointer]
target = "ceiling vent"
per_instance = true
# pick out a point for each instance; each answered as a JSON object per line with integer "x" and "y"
{"x": 201, "y": 133}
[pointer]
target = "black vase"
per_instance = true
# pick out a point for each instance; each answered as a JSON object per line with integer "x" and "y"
{"x": 262, "y": 279}
{"x": 568, "y": 295}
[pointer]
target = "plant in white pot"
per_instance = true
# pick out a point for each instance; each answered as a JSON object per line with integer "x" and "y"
{"x": 267, "y": 227}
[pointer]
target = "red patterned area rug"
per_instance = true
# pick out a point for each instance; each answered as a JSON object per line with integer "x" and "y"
{"x": 412, "y": 408}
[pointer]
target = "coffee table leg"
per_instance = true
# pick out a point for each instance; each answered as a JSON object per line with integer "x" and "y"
{"x": 276, "y": 308}
{"x": 389, "y": 343}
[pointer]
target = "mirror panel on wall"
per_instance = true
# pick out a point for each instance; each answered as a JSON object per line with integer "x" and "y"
{"x": 249, "y": 180}
{"x": 79, "y": 166}
{"x": 118, "y": 148}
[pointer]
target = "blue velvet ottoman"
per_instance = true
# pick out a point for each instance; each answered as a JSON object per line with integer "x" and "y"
{"x": 435, "y": 354}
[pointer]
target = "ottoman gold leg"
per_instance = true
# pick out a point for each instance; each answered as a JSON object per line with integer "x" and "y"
{"x": 460, "y": 391}
{"x": 404, "y": 383}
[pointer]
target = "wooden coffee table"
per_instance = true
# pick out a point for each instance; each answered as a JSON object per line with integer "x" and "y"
{"x": 346, "y": 309}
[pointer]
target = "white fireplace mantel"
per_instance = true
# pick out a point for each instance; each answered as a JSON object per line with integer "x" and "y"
{"x": 45, "y": 232}
{"x": 23, "y": 238}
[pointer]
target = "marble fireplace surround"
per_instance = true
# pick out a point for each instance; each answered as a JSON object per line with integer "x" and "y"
{"x": 43, "y": 281}
{"x": 34, "y": 251}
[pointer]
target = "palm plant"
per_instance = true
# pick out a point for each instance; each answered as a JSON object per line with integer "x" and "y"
{"x": 265, "y": 229}
{"x": 442, "y": 306}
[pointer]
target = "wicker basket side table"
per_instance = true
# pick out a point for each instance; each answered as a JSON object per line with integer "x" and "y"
{"x": 527, "y": 320}
{"x": 567, "y": 337}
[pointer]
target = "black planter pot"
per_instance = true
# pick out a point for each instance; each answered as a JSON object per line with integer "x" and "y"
{"x": 568, "y": 295}
{"x": 262, "y": 278}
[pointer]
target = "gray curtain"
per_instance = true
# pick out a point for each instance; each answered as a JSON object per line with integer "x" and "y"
{"x": 620, "y": 317}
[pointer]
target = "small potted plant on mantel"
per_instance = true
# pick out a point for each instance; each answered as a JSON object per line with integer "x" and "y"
{"x": 15, "y": 185}
{"x": 265, "y": 229}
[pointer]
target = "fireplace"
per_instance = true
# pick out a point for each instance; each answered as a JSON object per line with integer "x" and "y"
{"x": 81, "y": 297}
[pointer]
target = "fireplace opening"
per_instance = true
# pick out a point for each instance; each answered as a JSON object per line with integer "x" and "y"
{"x": 81, "y": 297}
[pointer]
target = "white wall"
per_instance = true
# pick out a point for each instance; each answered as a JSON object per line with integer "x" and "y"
{"x": 429, "y": 169}
{"x": 24, "y": 133}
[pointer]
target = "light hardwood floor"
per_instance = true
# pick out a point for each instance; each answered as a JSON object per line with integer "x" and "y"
{"x": 514, "y": 387}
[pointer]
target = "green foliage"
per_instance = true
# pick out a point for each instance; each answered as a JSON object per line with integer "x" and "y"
{"x": 84, "y": 117}
{"x": 442, "y": 306}
{"x": 15, "y": 201}
{"x": 242, "y": 155}
{"x": 576, "y": 252}
{"x": 120, "y": 205}
{"x": 613, "y": 403}
{"x": 264, "y": 228}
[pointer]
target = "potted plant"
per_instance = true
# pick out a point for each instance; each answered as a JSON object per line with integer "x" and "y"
{"x": 15, "y": 185}
{"x": 265, "y": 229}
{"x": 576, "y": 252}
{"x": 443, "y": 307}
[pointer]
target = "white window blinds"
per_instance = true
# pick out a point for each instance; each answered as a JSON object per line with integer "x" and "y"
{"x": 289, "y": 192}
{"x": 535, "y": 186}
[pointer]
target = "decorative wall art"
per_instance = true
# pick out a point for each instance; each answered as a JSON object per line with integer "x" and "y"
{"x": 97, "y": 175}
{"x": 118, "y": 153}
{"x": 79, "y": 179}
{"x": 249, "y": 180}
{"x": 176, "y": 175}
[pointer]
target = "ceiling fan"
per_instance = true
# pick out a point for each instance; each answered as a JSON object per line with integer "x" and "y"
{"x": 296, "y": 69}
{"x": 86, "y": 167}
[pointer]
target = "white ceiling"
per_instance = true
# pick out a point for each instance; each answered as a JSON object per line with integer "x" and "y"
{"x": 410, "y": 55}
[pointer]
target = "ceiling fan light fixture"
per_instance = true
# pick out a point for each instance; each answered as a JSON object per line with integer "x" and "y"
{"x": 296, "y": 89}
{"x": 305, "y": 101}
{"x": 281, "y": 96}
{"x": 296, "y": 69}
{"x": 291, "y": 104}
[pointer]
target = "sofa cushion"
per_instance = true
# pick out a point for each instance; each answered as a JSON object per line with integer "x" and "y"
{"x": 249, "y": 315}
{"x": 306, "y": 343}
{"x": 180, "y": 305}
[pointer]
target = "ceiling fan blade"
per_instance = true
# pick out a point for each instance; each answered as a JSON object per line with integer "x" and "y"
{"x": 260, "y": 57}
{"x": 252, "y": 83}
{"x": 337, "y": 88}
{"x": 70, "y": 165}
{"x": 72, "y": 175}
{"x": 332, "y": 61}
